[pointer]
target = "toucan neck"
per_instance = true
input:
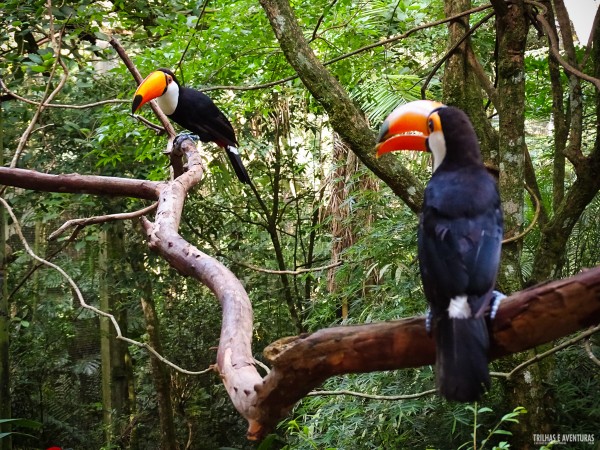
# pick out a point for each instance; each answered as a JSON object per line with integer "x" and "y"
{"x": 168, "y": 101}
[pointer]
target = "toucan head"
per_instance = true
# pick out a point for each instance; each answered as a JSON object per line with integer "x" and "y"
{"x": 413, "y": 126}
{"x": 155, "y": 85}
{"x": 426, "y": 125}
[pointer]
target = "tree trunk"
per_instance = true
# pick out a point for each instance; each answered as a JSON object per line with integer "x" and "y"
{"x": 115, "y": 370}
{"x": 511, "y": 34}
{"x": 5, "y": 401}
{"x": 160, "y": 373}
{"x": 460, "y": 86}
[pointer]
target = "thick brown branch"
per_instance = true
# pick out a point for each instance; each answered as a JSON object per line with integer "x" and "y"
{"x": 79, "y": 184}
{"x": 525, "y": 320}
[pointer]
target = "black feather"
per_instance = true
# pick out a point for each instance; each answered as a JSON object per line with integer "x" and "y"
{"x": 197, "y": 113}
{"x": 461, "y": 359}
{"x": 459, "y": 243}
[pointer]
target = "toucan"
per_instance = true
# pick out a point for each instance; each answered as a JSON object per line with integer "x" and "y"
{"x": 459, "y": 240}
{"x": 194, "y": 111}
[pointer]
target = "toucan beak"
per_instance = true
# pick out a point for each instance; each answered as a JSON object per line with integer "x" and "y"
{"x": 406, "y": 127}
{"x": 154, "y": 85}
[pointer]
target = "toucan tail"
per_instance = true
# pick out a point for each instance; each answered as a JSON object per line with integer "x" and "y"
{"x": 461, "y": 358}
{"x": 238, "y": 165}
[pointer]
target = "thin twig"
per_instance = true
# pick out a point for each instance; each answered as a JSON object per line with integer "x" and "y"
{"x": 373, "y": 396}
{"x": 38, "y": 265}
{"x": 200, "y": 16}
{"x": 261, "y": 364}
{"x": 452, "y": 49}
{"x": 541, "y": 356}
{"x": 85, "y": 221}
{"x": 51, "y": 26}
{"x": 85, "y": 305}
{"x": 288, "y": 272}
{"x": 321, "y": 18}
{"x": 588, "y": 349}
{"x": 353, "y": 52}
{"x": 156, "y": 128}
{"x": 45, "y": 104}
{"x": 138, "y": 78}
{"x": 536, "y": 216}
{"x": 46, "y": 98}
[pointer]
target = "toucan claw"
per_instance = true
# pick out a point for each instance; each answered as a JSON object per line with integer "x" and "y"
{"x": 497, "y": 298}
{"x": 183, "y": 136}
{"x": 428, "y": 320}
{"x": 192, "y": 136}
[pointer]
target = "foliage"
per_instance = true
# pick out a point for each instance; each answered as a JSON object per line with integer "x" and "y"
{"x": 23, "y": 423}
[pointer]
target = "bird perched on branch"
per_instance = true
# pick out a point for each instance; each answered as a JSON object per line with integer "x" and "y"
{"x": 194, "y": 111}
{"x": 459, "y": 239}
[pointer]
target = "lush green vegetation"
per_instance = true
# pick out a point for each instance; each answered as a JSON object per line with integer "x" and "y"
{"x": 321, "y": 205}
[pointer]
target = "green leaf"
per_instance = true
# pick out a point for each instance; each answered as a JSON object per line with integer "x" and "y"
{"x": 502, "y": 432}
{"x": 38, "y": 69}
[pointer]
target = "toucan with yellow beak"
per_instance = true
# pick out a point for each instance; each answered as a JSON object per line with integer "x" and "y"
{"x": 194, "y": 111}
{"x": 459, "y": 239}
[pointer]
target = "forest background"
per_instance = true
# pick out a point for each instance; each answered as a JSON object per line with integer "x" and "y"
{"x": 331, "y": 236}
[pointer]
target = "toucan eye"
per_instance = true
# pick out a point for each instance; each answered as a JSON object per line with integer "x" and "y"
{"x": 430, "y": 125}
{"x": 169, "y": 79}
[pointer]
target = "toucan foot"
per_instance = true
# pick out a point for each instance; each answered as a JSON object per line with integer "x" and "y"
{"x": 497, "y": 298}
{"x": 428, "y": 320}
{"x": 182, "y": 136}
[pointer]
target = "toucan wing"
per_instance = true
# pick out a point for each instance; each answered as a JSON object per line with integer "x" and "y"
{"x": 460, "y": 238}
{"x": 197, "y": 113}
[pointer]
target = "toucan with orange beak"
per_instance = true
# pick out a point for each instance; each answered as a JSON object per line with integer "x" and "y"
{"x": 459, "y": 239}
{"x": 194, "y": 111}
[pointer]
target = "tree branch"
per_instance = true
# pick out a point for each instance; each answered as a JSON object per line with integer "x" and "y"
{"x": 547, "y": 353}
{"x": 372, "y": 396}
{"x": 235, "y": 362}
{"x": 588, "y": 349}
{"x": 84, "y": 222}
{"x": 451, "y": 50}
{"x": 353, "y": 52}
{"x": 525, "y": 320}
{"x": 79, "y": 184}
{"x": 289, "y": 272}
{"x": 555, "y": 49}
{"x": 14, "y": 96}
{"x": 48, "y": 97}
{"x": 138, "y": 79}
